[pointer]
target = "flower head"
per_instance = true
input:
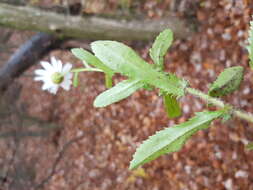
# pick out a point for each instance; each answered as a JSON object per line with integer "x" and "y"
{"x": 54, "y": 75}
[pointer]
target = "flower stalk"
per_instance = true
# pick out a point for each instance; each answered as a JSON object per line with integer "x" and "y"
{"x": 86, "y": 69}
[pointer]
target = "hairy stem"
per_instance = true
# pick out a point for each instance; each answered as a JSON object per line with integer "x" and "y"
{"x": 205, "y": 97}
{"x": 217, "y": 102}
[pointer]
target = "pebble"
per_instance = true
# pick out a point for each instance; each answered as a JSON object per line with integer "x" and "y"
{"x": 226, "y": 36}
{"x": 246, "y": 90}
{"x": 228, "y": 184}
{"x": 241, "y": 174}
{"x": 186, "y": 109}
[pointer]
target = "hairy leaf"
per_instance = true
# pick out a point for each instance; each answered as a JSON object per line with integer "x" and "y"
{"x": 250, "y": 46}
{"x": 227, "y": 82}
{"x": 172, "y": 106}
{"x": 171, "y": 139}
{"x": 160, "y": 47}
{"x": 91, "y": 59}
{"x": 118, "y": 92}
{"x": 124, "y": 60}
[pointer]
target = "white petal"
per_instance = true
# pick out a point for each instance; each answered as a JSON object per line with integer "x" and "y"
{"x": 39, "y": 78}
{"x": 53, "y": 89}
{"x": 46, "y": 85}
{"x": 54, "y": 63}
{"x": 66, "y": 84}
{"x": 67, "y": 67}
{"x": 68, "y": 76}
{"x": 59, "y": 66}
{"x": 47, "y": 66}
{"x": 40, "y": 72}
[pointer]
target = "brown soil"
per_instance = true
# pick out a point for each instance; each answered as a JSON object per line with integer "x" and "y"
{"x": 92, "y": 147}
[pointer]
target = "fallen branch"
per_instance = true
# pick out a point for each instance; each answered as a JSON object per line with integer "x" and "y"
{"x": 88, "y": 27}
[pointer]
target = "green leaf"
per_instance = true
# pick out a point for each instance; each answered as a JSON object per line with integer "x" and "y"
{"x": 86, "y": 56}
{"x": 160, "y": 47}
{"x": 250, "y": 46}
{"x": 118, "y": 92}
{"x": 148, "y": 87}
{"x": 250, "y": 146}
{"x": 124, "y": 60}
{"x": 227, "y": 82}
{"x": 171, "y": 105}
{"x": 171, "y": 139}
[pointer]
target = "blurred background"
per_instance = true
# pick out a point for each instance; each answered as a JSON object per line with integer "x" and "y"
{"x": 53, "y": 142}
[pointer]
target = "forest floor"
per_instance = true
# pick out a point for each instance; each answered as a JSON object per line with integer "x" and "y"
{"x": 91, "y": 149}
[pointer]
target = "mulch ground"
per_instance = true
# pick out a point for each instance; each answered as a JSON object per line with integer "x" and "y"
{"x": 93, "y": 147}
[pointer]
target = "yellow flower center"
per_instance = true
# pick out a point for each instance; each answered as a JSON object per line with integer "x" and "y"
{"x": 57, "y": 78}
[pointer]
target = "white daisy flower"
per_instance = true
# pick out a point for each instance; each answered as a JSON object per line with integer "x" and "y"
{"x": 54, "y": 75}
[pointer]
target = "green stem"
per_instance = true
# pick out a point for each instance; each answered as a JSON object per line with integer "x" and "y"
{"x": 206, "y": 97}
{"x": 86, "y": 69}
{"x": 108, "y": 81}
{"x": 244, "y": 115}
{"x": 217, "y": 102}
{"x": 86, "y": 65}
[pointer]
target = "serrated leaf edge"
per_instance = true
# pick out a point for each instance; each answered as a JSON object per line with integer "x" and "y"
{"x": 159, "y": 133}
